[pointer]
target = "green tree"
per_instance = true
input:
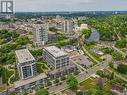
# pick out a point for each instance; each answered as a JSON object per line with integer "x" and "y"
{"x": 10, "y": 58}
{"x": 12, "y": 93}
{"x": 22, "y": 40}
{"x": 72, "y": 82}
{"x": 100, "y": 73}
{"x": 37, "y": 52}
{"x": 86, "y": 33}
{"x": 107, "y": 50}
{"x": 42, "y": 92}
{"x": 99, "y": 87}
{"x": 121, "y": 43}
{"x": 122, "y": 68}
{"x": 111, "y": 65}
{"x": 1, "y": 71}
{"x": 110, "y": 27}
{"x": 53, "y": 29}
{"x": 117, "y": 56}
{"x": 111, "y": 76}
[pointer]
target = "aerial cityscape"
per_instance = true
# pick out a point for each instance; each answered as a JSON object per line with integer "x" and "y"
{"x": 64, "y": 47}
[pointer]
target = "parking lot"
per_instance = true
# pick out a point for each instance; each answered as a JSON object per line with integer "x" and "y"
{"x": 82, "y": 60}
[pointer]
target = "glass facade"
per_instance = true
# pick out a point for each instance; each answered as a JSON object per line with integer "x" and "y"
{"x": 27, "y": 71}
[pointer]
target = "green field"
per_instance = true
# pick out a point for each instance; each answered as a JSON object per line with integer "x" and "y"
{"x": 88, "y": 83}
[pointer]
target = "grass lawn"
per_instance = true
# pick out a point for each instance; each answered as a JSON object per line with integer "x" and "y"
{"x": 97, "y": 57}
{"x": 39, "y": 67}
{"x": 2, "y": 87}
{"x": 107, "y": 88}
{"x": 61, "y": 43}
{"x": 89, "y": 46}
{"x": 7, "y": 74}
{"x": 88, "y": 83}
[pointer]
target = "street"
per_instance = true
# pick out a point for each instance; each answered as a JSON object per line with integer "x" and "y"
{"x": 81, "y": 77}
{"x": 84, "y": 75}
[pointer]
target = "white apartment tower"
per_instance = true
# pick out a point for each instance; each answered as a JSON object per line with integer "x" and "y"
{"x": 68, "y": 27}
{"x": 40, "y": 34}
{"x": 26, "y": 64}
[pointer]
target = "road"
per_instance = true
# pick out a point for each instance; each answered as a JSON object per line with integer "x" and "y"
{"x": 88, "y": 54}
{"x": 81, "y": 77}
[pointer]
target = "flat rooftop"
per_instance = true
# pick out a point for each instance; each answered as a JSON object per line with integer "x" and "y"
{"x": 81, "y": 59}
{"x": 30, "y": 80}
{"x": 24, "y": 55}
{"x": 56, "y": 52}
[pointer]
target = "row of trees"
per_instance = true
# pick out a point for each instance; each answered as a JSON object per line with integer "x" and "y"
{"x": 7, "y": 54}
{"x": 86, "y": 33}
{"x": 71, "y": 81}
{"x": 122, "y": 43}
{"x": 115, "y": 55}
{"x": 6, "y": 36}
{"x": 111, "y": 27}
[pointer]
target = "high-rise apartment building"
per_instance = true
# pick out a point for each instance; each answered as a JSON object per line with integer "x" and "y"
{"x": 26, "y": 64}
{"x": 68, "y": 27}
{"x": 40, "y": 34}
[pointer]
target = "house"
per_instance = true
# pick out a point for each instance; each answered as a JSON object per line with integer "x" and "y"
{"x": 117, "y": 89}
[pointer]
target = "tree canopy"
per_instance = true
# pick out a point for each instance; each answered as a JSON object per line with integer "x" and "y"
{"x": 110, "y": 27}
{"x": 42, "y": 92}
{"x": 86, "y": 32}
{"x": 117, "y": 56}
{"x": 22, "y": 40}
{"x": 122, "y": 68}
{"x": 53, "y": 29}
{"x": 72, "y": 82}
{"x": 121, "y": 43}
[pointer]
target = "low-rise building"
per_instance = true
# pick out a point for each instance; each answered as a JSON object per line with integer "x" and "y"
{"x": 63, "y": 71}
{"x": 22, "y": 85}
{"x": 83, "y": 26}
{"x": 117, "y": 89}
{"x": 55, "y": 57}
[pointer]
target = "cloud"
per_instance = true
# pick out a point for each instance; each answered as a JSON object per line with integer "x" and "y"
{"x": 69, "y": 5}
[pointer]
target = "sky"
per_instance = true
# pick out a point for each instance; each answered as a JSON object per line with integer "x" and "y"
{"x": 69, "y": 5}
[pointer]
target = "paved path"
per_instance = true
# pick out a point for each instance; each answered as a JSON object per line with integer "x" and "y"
{"x": 82, "y": 76}
{"x": 121, "y": 52}
{"x": 9, "y": 80}
{"x": 88, "y": 54}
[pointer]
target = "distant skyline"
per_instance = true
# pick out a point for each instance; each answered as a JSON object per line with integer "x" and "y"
{"x": 69, "y": 5}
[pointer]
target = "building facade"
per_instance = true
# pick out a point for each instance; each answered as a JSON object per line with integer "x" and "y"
{"x": 40, "y": 34}
{"x": 31, "y": 83}
{"x": 55, "y": 57}
{"x": 26, "y": 64}
{"x": 63, "y": 71}
{"x": 68, "y": 28}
